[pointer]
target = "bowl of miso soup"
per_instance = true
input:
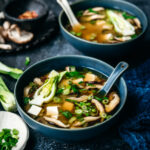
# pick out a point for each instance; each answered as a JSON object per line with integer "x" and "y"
{"x": 107, "y": 28}
{"x": 58, "y": 97}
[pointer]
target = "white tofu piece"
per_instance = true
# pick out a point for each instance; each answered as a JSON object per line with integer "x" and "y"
{"x": 34, "y": 110}
{"x": 52, "y": 111}
{"x": 90, "y": 77}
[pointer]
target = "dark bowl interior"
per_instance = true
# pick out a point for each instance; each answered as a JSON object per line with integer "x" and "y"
{"x": 59, "y": 63}
{"x": 16, "y": 7}
{"x": 100, "y": 49}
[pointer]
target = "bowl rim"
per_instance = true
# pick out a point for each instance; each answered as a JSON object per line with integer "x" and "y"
{"x": 66, "y": 129}
{"x": 104, "y": 44}
{"x": 26, "y": 20}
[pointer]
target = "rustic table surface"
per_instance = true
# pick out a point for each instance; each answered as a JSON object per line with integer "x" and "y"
{"x": 57, "y": 46}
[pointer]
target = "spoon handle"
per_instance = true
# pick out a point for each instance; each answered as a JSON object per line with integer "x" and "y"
{"x": 119, "y": 69}
{"x": 66, "y": 7}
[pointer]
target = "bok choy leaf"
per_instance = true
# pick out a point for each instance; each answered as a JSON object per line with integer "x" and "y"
{"x": 7, "y": 98}
{"x": 121, "y": 25}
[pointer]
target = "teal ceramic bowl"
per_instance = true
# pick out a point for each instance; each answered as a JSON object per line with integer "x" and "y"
{"x": 99, "y": 49}
{"x": 58, "y": 63}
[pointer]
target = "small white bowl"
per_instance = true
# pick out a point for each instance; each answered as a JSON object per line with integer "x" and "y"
{"x": 12, "y": 121}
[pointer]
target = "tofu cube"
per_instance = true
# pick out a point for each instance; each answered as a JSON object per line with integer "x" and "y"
{"x": 52, "y": 111}
{"x": 34, "y": 110}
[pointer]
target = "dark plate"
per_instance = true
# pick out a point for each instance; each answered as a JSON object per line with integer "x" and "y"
{"x": 46, "y": 31}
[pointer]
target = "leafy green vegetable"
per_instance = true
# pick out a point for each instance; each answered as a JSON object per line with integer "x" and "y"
{"x": 127, "y": 16}
{"x": 74, "y": 74}
{"x": 57, "y": 99}
{"x": 70, "y": 100}
{"x": 100, "y": 99}
{"x": 75, "y": 88}
{"x": 78, "y": 34}
{"x": 26, "y": 100}
{"x": 47, "y": 91}
{"x": 91, "y": 10}
{"x": 8, "y": 138}
{"x": 90, "y": 84}
{"x": 67, "y": 114}
{"x": 13, "y": 72}
{"x": 133, "y": 36}
{"x": 79, "y": 13}
{"x": 27, "y": 61}
{"x": 121, "y": 25}
{"x": 7, "y": 98}
{"x": 59, "y": 91}
{"x": 67, "y": 90}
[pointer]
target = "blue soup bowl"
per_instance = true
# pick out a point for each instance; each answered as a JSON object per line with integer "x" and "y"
{"x": 99, "y": 49}
{"x": 59, "y": 63}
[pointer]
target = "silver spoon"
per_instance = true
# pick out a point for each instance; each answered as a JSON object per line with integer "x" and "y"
{"x": 119, "y": 69}
{"x": 66, "y": 7}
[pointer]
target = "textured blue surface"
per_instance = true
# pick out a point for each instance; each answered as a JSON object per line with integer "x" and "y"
{"x": 136, "y": 129}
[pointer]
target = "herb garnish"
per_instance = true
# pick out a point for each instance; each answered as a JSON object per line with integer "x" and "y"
{"x": 91, "y": 10}
{"x": 67, "y": 114}
{"x": 127, "y": 16}
{"x": 8, "y": 138}
{"x": 27, "y": 61}
{"x": 74, "y": 74}
{"x": 26, "y": 100}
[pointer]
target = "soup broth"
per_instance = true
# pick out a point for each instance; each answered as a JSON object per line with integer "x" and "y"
{"x": 67, "y": 99}
{"x": 105, "y": 25}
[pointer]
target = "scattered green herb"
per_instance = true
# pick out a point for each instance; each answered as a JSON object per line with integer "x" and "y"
{"x": 74, "y": 74}
{"x": 26, "y": 100}
{"x": 59, "y": 91}
{"x": 79, "y": 13}
{"x": 134, "y": 36}
{"x": 91, "y": 10}
{"x": 67, "y": 114}
{"x": 82, "y": 27}
{"x": 27, "y": 61}
{"x": 8, "y": 139}
{"x": 127, "y": 16}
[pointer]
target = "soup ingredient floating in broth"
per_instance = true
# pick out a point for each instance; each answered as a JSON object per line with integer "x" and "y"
{"x": 102, "y": 25}
{"x": 67, "y": 99}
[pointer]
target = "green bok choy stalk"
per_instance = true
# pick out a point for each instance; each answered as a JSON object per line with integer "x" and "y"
{"x": 121, "y": 25}
{"x": 47, "y": 91}
{"x": 13, "y": 72}
{"x": 7, "y": 98}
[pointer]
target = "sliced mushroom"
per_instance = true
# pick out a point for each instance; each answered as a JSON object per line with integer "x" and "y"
{"x": 79, "y": 99}
{"x": 113, "y": 102}
{"x": 86, "y": 119}
{"x": 93, "y": 17}
{"x": 88, "y": 13}
{"x": 99, "y": 106}
{"x": 19, "y": 36}
{"x": 107, "y": 26}
{"x": 56, "y": 122}
{"x": 137, "y": 22}
{"x": 38, "y": 81}
{"x": 95, "y": 86}
{"x": 6, "y": 25}
{"x": 122, "y": 39}
{"x": 26, "y": 91}
{"x": 2, "y": 40}
{"x": 5, "y": 46}
{"x": 107, "y": 37}
{"x": 90, "y": 77}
